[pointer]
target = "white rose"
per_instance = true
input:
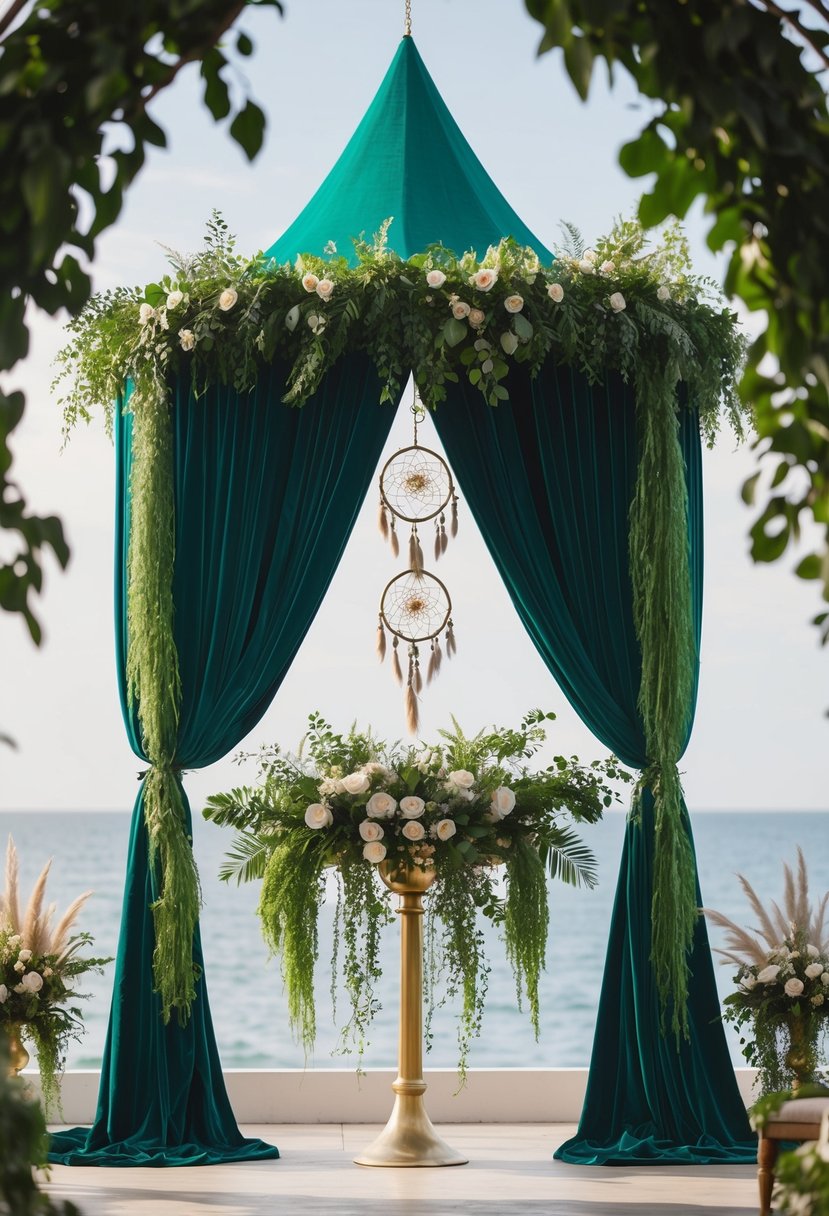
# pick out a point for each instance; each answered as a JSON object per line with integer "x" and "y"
{"x": 309, "y": 282}
{"x": 460, "y": 310}
{"x": 146, "y": 313}
{"x": 374, "y": 851}
{"x": 228, "y": 298}
{"x": 818, "y": 998}
{"x": 793, "y": 987}
{"x": 324, "y": 289}
{"x": 824, "y": 979}
{"x": 663, "y": 294}
{"x": 556, "y": 292}
{"x": 412, "y": 807}
{"x": 509, "y": 343}
{"x": 445, "y": 829}
{"x": 814, "y": 970}
{"x": 435, "y": 278}
{"x": 20, "y": 968}
{"x": 318, "y": 815}
{"x": 356, "y": 783}
{"x": 187, "y": 339}
{"x": 461, "y": 779}
{"x": 174, "y": 299}
{"x": 15, "y": 940}
{"x": 586, "y": 267}
{"x": 514, "y": 303}
{"x": 25, "y": 955}
{"x": 589, "y": 255}
{"x": 617, "y": 302}
{"x": 768, "y": 975}
{"x": 503, "y": 800}
{"x": 4, "y": 994}
{"x": 749, "y": 982}
{"x": 812, "y": 951}
{"x": 484, "y": 279}
{"x": 413, "y": 830}
{"x": 32, "y": 981}
{"x": 316, "y": 323}
{"x": 19, "y": 988}
{"x": 476, "y": 317}
{"x": 381, "y": 806}
{"x": 369, "y": 830}
{"x": 607, "y": 267}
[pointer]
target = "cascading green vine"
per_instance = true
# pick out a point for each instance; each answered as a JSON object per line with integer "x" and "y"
{"x": 153, "y": 685}
{"x": 663, "y": 618}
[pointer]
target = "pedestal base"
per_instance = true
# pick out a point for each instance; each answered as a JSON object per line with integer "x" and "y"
{"x": 409, "y": 1139}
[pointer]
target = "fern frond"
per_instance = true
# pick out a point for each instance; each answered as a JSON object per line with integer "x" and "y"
{"x": 568, "y": 858}
{"x": 246, "y": 858}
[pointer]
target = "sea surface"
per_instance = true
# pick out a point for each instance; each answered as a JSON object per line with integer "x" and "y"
{"x": 245, "y": 987}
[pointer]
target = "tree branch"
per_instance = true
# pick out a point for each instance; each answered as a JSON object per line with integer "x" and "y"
{"x": 14, "y": 10}
{"x": 197, "y": 52}
{"x": 792, "y": 19}
{"x": 819, "y": 8}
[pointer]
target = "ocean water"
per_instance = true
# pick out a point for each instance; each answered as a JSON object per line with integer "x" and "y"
{"x": 245, "y": 987}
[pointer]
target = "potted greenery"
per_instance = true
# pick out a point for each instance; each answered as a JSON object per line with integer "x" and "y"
{"x": 39, "y": 967}
{"x": 462, "y": 812}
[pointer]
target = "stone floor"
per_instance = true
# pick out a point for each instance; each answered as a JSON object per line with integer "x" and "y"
{"x": 510, "y": 1173}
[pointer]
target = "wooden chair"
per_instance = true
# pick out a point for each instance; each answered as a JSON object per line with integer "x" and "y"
{"x": 798, "y": 1119}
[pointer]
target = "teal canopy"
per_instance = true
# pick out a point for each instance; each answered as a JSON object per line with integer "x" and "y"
{"x": 408, "y": 159}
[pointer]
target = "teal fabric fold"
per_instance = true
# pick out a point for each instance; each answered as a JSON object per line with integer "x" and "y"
{"x": 549, "y": 478}
{"x": 265, "y": 500}
{"x": 409, "y": 161}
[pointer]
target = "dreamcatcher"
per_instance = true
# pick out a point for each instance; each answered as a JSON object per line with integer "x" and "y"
{"x": 416, "y": 486}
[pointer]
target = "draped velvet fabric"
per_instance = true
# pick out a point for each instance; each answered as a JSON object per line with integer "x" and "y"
{"x": 265, "y": 500}
{"x": 549, "y": 478}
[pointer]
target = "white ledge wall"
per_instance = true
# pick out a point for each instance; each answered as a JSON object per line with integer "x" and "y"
{"x": 491, "y": 1095}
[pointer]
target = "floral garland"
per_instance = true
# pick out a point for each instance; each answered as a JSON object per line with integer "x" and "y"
{"x": 617, "y": 307}
{"x": 459, "y": 809}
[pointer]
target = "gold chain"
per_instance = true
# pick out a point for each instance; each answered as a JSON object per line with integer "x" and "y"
{"x": 407, "y": 29}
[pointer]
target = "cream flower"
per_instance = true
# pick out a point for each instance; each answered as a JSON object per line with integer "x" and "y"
{"x": 503, "y": 801}
{"x": 309, "y": 282}
{"x": 374, "y": 852}
{"x": 324, "y": 289}
{"x": 818, "y": 998}
{"x": 435, "y": 278}
{"x": 824, "y": 979}
{"x": 445, "y": 829}
{"x": 174, "y": 299}
{"x": 371, "y": 830}
{"x": 4, "y": 994}
{"x": 316, "y": 323}
{"x": 814, "y": 970}
{"x": 509, "y": 343}
{"x": 476, "y": 317}
{"x": 663, "y": 293}
{"x": 556, "y": 292}
{"x": 355, "y": 783}
{"x": 812, "y": 951}
{"x": 15, "y": 940}
{"x": 749, "y": 981}
{"x": 769, "y": 974}
{"x": 617, "y": 302}
{"x": 589, "y": 255}
{"x": 793, "y": 987}
{"x": 460, "y": 310}
{"x": 413, "y": 829}
{"x": 25, "y": 955}
{"x": 586, "y": 267}
{"x": 146, "y": 313}
{"x": 187, "y": 339}
{"x": 514, "y": 303}
{"x": 484, "y": 279}
{"x": 461, "y": 779}
{"x": 607, "y": 267}
{"x": 32, "y": 981}
{"x": 20, "y": 968}
{"x": 228, "y": 298}
{"x": 318, "y": 815}
{"x": 381, "y": 806}
{"x": 412, "y": 807}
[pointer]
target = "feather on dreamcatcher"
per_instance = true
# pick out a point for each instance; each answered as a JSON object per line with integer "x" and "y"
{"x": 416, "y": 486}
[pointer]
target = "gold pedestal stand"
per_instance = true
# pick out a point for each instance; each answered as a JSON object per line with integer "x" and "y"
{"x": 18, "y": 1055}
{"x": 409, "y": 1139}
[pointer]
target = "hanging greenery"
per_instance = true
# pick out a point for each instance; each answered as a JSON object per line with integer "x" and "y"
{"x": 218, "y": 317}
{"x": 461, "y": 809}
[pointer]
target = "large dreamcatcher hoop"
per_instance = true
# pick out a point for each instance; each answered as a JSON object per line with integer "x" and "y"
{"x": 416, "y": 485}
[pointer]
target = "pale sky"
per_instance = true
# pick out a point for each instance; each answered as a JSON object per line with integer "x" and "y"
{"x": 760, "y": 739}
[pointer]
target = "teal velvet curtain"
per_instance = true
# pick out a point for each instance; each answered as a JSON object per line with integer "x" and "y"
{"x": 549, "y": 478}
{"x": 265, "y": 498}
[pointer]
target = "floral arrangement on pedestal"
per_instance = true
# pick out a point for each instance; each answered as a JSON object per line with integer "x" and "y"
{"x": 39, "y": 967}
{"x": 461, "y": 809}
{"x": 782, "y": 994}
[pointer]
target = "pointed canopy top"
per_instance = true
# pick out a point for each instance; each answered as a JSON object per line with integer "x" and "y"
{"x": 408, "y": 159}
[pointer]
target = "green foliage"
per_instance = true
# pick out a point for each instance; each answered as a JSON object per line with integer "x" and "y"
{"x": 69, "y": 71}
{"x": 742, "y": 123}
{"x": 25, "y": 1143}
{"x": 803, "y": 1176}
{"x": 352, "y": 803}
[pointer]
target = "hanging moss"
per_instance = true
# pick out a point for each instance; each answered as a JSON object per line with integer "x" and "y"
{"x": 663, "y": 617}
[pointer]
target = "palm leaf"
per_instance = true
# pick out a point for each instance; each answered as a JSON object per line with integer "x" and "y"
{"x": 568, "y": 858}
{"x": 246, "y": 858}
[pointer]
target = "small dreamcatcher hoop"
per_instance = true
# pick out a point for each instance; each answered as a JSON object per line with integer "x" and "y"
{"x": 415, "y": 608}
{"x": 416, "y": 485}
